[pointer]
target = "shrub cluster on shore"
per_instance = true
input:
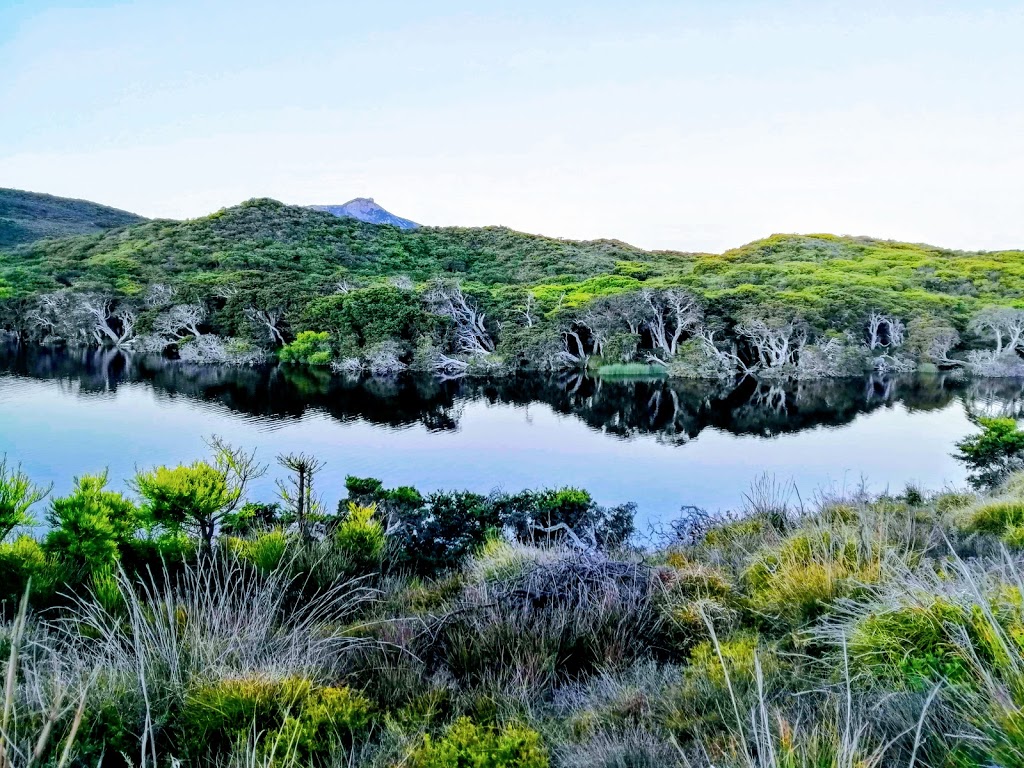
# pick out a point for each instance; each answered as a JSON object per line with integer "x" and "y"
{"x": 182, "y": 624}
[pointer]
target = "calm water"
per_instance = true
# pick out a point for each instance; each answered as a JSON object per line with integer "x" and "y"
{"x": 660, "y": 444}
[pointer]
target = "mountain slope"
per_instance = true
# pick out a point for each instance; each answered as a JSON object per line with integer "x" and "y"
{"x": 29, "y": 216}
{"x": 365, "y": 209}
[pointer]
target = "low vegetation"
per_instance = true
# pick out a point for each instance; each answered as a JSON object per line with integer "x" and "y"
{"x": 182, "y": 623}
{"x": 265, "y": 280}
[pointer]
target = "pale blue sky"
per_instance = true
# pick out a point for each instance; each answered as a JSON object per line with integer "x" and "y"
{"x": 686, "y": 125}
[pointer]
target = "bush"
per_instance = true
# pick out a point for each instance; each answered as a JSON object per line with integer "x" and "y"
{"x": 92, "y": 525}
{"x": 996, "y": 517}
{"x": 467, "y": 745}
{"x": 17, "y": 495}
{"x": 266, "y": 551}
{"x": 794, "y": 583}
{"x": 909, "y": 646}
{"x": 360, "y": 537}
{"x": 326, "y": 719}
{"x": 22, "y": 560}
{"x": 309, "y": 348}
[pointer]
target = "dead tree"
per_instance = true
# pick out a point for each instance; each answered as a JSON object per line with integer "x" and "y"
{"x": 269, "y": 321}
{"x": 297, "y": 493}
{"x": 776, "y": 343}
{"x": 110, "y": 326}
{"x": 671, "y": 315}
{"x": 884, "y": 331}
{"x": 1005, "y": 324}
{"x": 180, "y": 322}
{"x": 446, "y": 299}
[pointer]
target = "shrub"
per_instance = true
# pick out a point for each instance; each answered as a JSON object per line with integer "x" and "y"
{"x": 17, "y": 495}
{"x": 995, "y": 517}
{"x": 326, "y": 719}
{"x": 793, "y": 583}
{"x": 309, "y": 348}
{"x": 91, "y": 525}
{"x": 720, "y": 675}
{"x": 360, "y": 537}
{"x": 202, "y": 494}
{"x": 467, "y": 745}
{"x": 909, "y": 646}
{"x": 266, "y": 551}
{"x": 218, "y": 715}
{"x": 22, "y": 560}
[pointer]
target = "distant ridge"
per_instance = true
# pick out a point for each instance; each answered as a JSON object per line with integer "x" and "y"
{"x": 29, "y": 216}
{"x": 364, "y": 209}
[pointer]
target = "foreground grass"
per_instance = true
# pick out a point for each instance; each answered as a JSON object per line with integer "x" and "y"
{"x": 856, "y": 631}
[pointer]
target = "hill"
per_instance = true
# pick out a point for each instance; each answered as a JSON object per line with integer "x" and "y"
{"x": 29, "y": 216}
{"x": 365, "y": 209}
{"x": 315, "y": 271}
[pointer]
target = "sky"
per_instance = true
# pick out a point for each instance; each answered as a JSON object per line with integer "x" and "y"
{"x": 684, "y": 125}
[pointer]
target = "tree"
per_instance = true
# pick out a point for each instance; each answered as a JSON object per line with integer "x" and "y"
{"x": 297, "y": 493}
{"x": 17, "y": 495}
{"x": 994, "y": 453}
{"x": 200, "y": 495}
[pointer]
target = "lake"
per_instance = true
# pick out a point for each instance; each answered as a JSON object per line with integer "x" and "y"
{"x": 660, "y": 444}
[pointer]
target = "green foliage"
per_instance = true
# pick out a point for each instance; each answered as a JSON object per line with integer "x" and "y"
{"x": 23, "y": 561}
{"x": 995, "y": 517}
{"x": 795, "y": 582}
{"x": 294, "y": 717}
{"x": 91, "y": 526}
{"x": 266, "y": 550}
{"x": 911, "y": 647}
{"x": 309, "y": 348}
{"x": 17, "y": 495}
{"x": 468, "y": 745}
{"x": 360, "y": 537}
{"x": 185, "y": 493}
{"x": 994, "y": 454}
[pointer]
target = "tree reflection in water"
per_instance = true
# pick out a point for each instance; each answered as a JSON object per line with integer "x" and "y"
{"x": 674, "y": 411}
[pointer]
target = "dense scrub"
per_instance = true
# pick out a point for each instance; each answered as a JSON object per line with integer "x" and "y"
{"x": 252, "y": 280}
{"x": 525, "y": 630}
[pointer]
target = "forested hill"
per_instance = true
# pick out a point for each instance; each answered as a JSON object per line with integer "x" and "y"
{"x": 29, "y": 216}
{"x": 290, "y": 269}
{"x": 298, "y": 244}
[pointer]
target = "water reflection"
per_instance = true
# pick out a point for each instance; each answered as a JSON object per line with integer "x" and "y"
{"x": 672, "y": 411}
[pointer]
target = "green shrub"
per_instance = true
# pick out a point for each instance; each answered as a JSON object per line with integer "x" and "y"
{"x": 91, "y": 526}
{"x": 467, "y": 745}
{"x": 717, "y": 675}
{"x": 327, "y": 718}
{"x": 909, "y": 646}
{"x": 994, "y": 517}
{"x": 17, "y": 495}
{"x": 22, "y": 560}
{"x": 217, "y": 716}
{"x": 309, "y": 348}
{"x": 266, "y": 550}
{"x": 360, "y": 537}
{"x": 796, "y": 581}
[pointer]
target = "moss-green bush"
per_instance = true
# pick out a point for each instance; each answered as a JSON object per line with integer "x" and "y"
{"x": 994, "y": 517}
{"x": 468, "y": 745}
{"x": 910, "y": 646}
{"x": 794, "y": 582}
{"x": 360, "y": 537}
